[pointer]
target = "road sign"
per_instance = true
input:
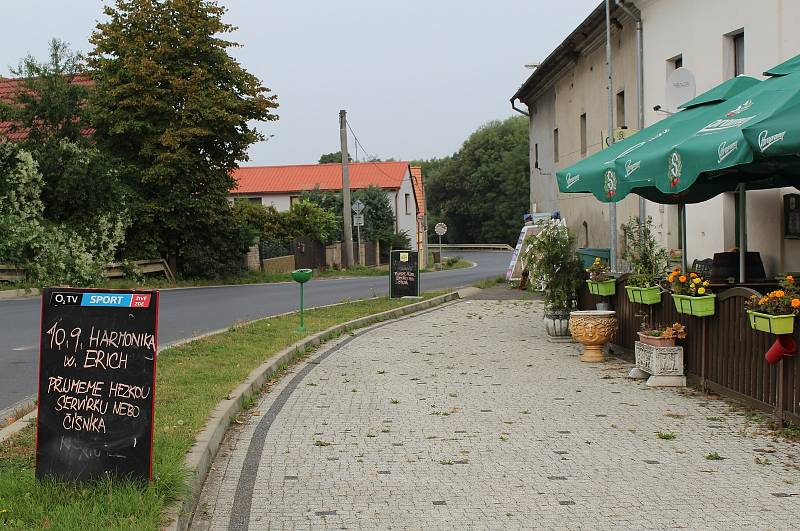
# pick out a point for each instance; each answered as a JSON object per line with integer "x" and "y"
{"x": 358, "y": 206}
{"x": 358, "y": 220}
{"x": 440, "y": 229}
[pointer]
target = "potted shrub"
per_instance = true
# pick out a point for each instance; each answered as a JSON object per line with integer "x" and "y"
{"x": 550, "y": 257}
{"x": 647, "y": 259}
{"x": 664, "y": 336}
{"x": 600, "y": 280}
{"x": 691, "y": 293}
{"x": 775, "y": 312}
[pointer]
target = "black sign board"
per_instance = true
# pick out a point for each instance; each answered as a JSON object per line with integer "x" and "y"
{"x": 97, "y": 368}
{"x": 404, "y": 274}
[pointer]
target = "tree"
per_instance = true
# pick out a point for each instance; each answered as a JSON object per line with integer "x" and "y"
{"x": 378, "y": 215}
{"x": 49, "y": 108}
{"x": 336, "y": 157}
{"x": 176, "y": 109}
{"x": 482, "y": 191}
{"x": 20, "y": 206}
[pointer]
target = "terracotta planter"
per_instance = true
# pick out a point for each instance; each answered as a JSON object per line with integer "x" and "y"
{"x": 605, "y": 288}
{"x": 698, "y": 306}
{"x": 593, "y": 329}
{"x": 656, "y": 341}
{"x": 772, "y": 324}
{"x": 651, "y": 295}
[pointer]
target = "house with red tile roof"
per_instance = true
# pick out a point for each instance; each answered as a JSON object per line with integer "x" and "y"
{"x": 281, "y": 186}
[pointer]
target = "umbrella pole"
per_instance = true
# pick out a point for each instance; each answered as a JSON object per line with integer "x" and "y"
{"x": 612, "y": 206}
{"x": 682, "y": 222}
{"x": 742, "y": 232}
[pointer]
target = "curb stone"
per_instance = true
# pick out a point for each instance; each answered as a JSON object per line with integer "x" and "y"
{"x": 18, "y": 425}
{"x": 19, "y": 293}
{"x": 198, "y": 459}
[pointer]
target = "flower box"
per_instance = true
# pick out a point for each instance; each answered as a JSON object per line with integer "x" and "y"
{"x": 651, "y": 295}
{"x": 656, "y": 341}
{"x": 702, "y": 306}
{"x": 605, "y": 288}
{"x": 773, "y": 324}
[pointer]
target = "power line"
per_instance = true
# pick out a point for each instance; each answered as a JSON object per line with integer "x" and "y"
{"x": 358, "y": 143}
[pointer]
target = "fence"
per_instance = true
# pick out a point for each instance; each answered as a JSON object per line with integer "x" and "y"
{"x": 308, "y": 253}
{"x": 721, "y": 352}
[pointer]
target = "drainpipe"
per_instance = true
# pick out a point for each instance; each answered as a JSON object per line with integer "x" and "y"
{"x": 514, "y": 106}
{"x": 612, "y": 206}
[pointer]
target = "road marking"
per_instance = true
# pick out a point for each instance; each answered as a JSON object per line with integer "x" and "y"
{"x": 26, "y": 347}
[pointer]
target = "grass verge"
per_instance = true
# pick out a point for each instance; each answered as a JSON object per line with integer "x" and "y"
{"x": 192, "y": 379}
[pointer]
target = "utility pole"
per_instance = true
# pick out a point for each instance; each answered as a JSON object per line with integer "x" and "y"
{"x": 612, "y": 205}
{"x": 348, "y": 219}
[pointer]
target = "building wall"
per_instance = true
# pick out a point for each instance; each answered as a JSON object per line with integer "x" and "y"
{"x": 770, "y": 37}
{"x": 581, "y": 89}
{"x": 406, "y": 218}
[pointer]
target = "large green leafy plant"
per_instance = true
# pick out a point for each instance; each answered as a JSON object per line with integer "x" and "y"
{"x": 648, "y": 260}
{"x": 550, "y": 257}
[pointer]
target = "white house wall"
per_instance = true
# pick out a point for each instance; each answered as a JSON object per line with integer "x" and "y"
{"x": 697, "y": 31}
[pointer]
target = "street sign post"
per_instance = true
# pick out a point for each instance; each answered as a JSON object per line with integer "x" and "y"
{"x": 441, "y": 230}
{"x": 358, "y": 206}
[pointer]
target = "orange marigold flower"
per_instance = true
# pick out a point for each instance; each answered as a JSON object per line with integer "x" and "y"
{"x": 780, "y": 293}
{"x": 790, "y": 279}
{"x": 693, "y": 275}
{"x": 795, "y": 303}
{"x": 671, "y": 278}
{"x": 763, "y": 300}
{"x": 682, "y": 278}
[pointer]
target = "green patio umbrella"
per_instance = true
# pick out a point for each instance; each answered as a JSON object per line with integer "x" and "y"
{"x": 634, "y": 164}
{"x": 731, "y": 144}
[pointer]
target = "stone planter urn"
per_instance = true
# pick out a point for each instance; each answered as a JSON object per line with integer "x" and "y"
{"x": 593, "y": 329}
{"x": 662, "y": 366}
{"x": 557, "y": 327}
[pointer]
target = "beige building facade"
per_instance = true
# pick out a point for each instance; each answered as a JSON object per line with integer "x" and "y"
{"x": 566, "y": 99}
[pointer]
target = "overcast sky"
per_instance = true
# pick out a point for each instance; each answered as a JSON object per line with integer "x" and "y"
{"x": 416, "y": 77}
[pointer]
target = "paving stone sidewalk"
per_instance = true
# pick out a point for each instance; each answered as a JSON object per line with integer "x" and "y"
{"x": 465, "y": 417}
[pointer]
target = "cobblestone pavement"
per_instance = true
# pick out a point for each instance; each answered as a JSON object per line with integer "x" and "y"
{"x": 466, "y": 418}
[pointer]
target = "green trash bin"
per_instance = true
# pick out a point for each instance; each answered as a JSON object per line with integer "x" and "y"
{"x": 588, "y": 254}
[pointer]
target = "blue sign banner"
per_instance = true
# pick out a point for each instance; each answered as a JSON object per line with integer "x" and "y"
{"x": 116, "y": 300}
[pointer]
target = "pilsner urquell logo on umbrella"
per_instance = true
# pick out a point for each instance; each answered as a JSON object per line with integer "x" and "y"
{"x": 675, "y": 168}
{"x": 610, "y": 183}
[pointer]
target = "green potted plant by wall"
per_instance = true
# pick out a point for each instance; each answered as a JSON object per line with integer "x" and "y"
{"x": 775, "y": 312}
{"x": 691, "y": 293}
{"x": 664, "y": 336}
{"x": 551, "y": 259}
{"x": 600, "y": 280}
{"x": 647, "y": 259}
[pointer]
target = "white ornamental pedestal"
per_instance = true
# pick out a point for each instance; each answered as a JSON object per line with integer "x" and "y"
{"x": 663, "y": 366}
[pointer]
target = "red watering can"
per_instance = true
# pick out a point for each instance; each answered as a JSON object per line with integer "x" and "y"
{"x": 784, "y": 347}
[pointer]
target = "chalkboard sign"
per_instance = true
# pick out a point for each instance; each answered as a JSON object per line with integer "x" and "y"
{"x": 404, "y": 274}
{"x": 97, "y": 363}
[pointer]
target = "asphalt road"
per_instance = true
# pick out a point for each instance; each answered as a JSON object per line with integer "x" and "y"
{"x": 185, "y": 313}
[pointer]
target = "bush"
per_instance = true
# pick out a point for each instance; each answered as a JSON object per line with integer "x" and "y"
{"x": 648, "y": 260}
{"x": 550, "y": 256}
{"x": 452, "y": 260}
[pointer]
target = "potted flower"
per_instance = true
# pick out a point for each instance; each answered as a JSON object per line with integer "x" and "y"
{"x": 550, "y": 257}
{"x": 691, "y": 293}
{"x": 664, "y": 336}
{"x": 600, "y": 280}
{"x": 647, "y": 260}
{"x": 775, "y": 312}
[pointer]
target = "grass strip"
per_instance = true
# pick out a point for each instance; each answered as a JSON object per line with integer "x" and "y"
{"x": 192, "y": 379}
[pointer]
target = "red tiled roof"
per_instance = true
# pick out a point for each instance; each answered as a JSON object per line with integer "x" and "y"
{"x": 286, "y": 179}
{"x": 10, "y": 87}
{"x": 419, "y": 189}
